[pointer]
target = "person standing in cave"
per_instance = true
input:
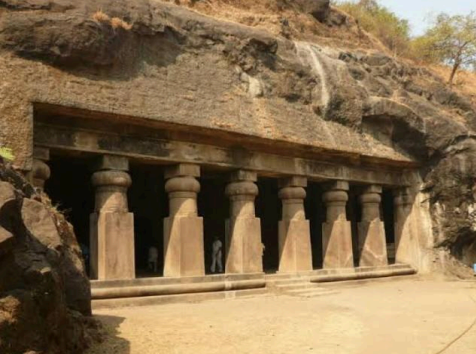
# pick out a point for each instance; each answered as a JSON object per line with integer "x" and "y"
{"x": 153, "y": 258}
{"x": 217, "y": 255}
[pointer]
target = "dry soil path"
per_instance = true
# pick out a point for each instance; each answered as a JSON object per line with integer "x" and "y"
{"x": 390, "y": 317}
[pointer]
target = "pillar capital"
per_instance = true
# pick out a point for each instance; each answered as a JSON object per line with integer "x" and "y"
{"x": 40, "y": 171}
{"x": 182, "y": 184}
{"x": 111, "y": 190}
{"x": 111, "y": 178}
{"x": 182, "y": 170}
{"x": 336, "y": 199}
{"x": 372, "y": 189}
{"x": 402, "y": 197}
{"x": 337, "y": 186}
{"x": 243, "y": 175}
{"x": 292, "y": 193}
{"x": 370, "y": 200}
{"x": 242, "y": 188}
{"x": 112, "y": 162}
{"x": 294, "y": 181}
{"x": 41, "y": 153}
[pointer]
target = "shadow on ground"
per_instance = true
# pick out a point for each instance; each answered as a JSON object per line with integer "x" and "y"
{"x": 112, "y": 342}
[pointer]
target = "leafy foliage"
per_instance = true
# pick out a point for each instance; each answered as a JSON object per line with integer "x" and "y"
{"x": 451, "y": 40}
{"x": 374, "y": 18}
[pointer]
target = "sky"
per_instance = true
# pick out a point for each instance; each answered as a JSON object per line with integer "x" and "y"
{"x": 417, "y": 11}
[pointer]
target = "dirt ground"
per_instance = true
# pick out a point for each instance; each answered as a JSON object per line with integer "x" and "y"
{"x": 402, "y": 316}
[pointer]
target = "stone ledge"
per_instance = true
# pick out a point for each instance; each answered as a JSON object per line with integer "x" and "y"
{"x": 180, "y": 298}
{"x": 154, "y": 290}
{"x": 97, "y": 284}
{"x": 322, "y": 276}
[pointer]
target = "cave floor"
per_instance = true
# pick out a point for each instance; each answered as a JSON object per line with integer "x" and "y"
{"x": 404, "y": 316}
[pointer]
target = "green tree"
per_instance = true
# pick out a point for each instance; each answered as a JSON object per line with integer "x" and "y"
{"x": 391, "y": 30}
{"x": 451, "y": 40}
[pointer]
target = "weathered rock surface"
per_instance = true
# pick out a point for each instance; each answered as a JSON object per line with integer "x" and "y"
{"x": 292, "y": 85}
{"x": 45, "y": 304}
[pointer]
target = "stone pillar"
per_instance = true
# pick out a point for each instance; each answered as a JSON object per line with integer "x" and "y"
{"x": 336, "y": 231}
{"x": 294, "y": 230}
{"x": 40, "y": 171}
{"x": 371, "y": 230}
{"x": 183, "y": 229}
{"x": 111, "y": 224}
{"x": 404, "y": 243}
{"x": 244, "y": 251}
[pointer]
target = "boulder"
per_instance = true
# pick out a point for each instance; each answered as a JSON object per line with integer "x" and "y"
{"x": 320, "y": 9}
{"x": 45, "y": 300}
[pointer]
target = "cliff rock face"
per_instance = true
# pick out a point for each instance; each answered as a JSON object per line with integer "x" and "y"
{"x": 45, "y": 301}
{"x": 294, "y": 71}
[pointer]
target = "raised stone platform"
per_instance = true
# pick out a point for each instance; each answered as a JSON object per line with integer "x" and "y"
{"x": 154, "y": 291}
{"x": 329, "y": 275}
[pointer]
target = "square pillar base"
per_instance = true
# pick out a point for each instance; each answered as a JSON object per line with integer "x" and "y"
{"x": 372, "y": 244}
{"x": 112, "y": 245}
{"x": 337, "y": 244}
{"x": 294, "y": 246}
{"x": 404, "y": 242}
{"x": 183, "y": 247}
{"x": 244, "y": 251}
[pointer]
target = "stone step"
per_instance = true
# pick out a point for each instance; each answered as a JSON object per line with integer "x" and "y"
{"x": 311, "y": 292}
{"x": 301, "y": 285}
{"x": 180, "y": 298}
{"x": 287, "y": 282}
{"x": 286, "y": 276}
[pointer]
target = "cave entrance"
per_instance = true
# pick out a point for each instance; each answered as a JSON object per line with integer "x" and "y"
{"x": 316, "y": 214}
{"x": 213, "y": 206}
{"x": 387, "y": 214}
{"x": 268, "y": 209}
{"x": 71, "y": 191}
{"x": 149, "y": 203}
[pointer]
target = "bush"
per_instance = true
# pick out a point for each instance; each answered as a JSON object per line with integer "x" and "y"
{"x": 374, "y": 18}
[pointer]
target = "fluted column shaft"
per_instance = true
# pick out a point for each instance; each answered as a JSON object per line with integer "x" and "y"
{"x": 243, "y": 229}
{"x": 294, "y": 230}
{"x": 183, "y": 229}
{"x": 372, "y": 241}
{"x": 111, "y": 223}
{"x": 404, "y": 243}
{"x": 336, "y": 231}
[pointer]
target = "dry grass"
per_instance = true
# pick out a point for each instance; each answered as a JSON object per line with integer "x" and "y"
{"x": 115, "y": 22}
{"x": 465, "y": 81}
{"x": 100, "y": 16}
{"x": 269, "y": 15}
